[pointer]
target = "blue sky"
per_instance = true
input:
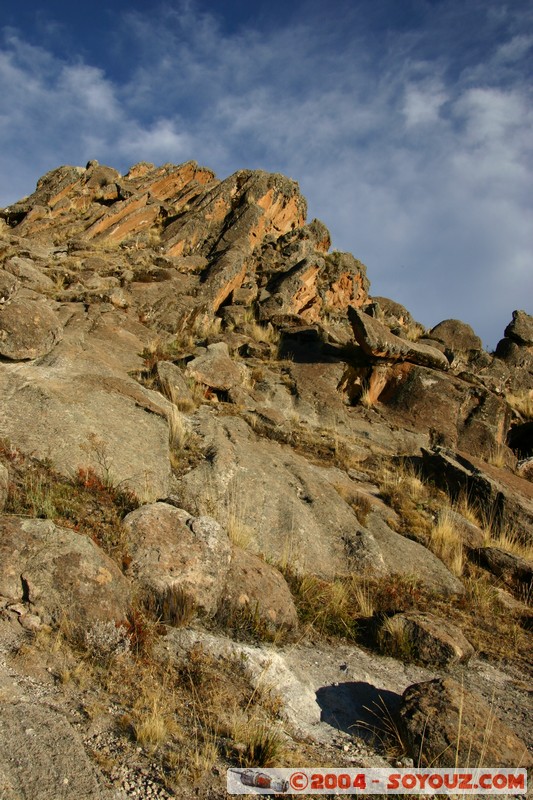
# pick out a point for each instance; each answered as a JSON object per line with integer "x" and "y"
{"x": 407, "y": 123}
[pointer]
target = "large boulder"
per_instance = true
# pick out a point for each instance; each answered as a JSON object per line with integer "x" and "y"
{"x": 29, "y": 274}
{"x": 259, "y": 590}
{"x": 425, "y": 638}
{"x": 516, "y": 351}
{"x": 520, "y": 329}
{"x": 28, "y": 329}
{"x": 460, "y": 342}
{"x": 59, "y": 573}
{"x": 443, "y": 725}
{"x": 216, "y": 369}
{"x": 393, "y": 314}
{"x": 173, "y": 551}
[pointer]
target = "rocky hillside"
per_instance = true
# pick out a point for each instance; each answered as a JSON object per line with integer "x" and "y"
{"x": 252, "y": 515}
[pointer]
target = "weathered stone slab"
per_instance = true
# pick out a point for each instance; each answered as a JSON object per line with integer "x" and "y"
{"x": 42, "y": 757}
{"x": 378, "y": 341}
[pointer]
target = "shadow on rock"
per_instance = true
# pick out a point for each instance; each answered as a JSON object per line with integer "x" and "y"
{"x": 358, "y": 708}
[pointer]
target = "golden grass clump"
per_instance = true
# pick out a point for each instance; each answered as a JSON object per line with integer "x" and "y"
{"x": 522, "y": 403}
{"x": 446, "y": 542}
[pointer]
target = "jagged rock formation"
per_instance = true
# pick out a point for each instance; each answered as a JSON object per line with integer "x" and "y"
{"x": 193, "y": 341}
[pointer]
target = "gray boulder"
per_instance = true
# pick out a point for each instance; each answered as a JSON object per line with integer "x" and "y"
{"x": 215, "y": 368}
{"x": 29, "y": 274}
{"x": 28, "y": 329}
{"x": 172, "y": 550}
{"x": 520, "y": 329}
{"x": 59, "y": 573}
{"x": 258, "y": 589}
{"x": 459, "y": 340}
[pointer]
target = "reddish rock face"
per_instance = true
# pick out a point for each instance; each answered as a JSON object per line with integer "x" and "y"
{"x": 187, "y": 212}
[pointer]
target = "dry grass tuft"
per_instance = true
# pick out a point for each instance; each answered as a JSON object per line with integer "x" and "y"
{"x": 508, "y": 538}
{"x": 466, "y": 508}
{"x": 363, "y": 599}
{"x": 178, "y": 432}
{"x": 175, "y": 607}
{"x": 185, "y": 403}
{"x": 406, "y": 493}
{"x": 342, "y": 607}
{"x": 446, "y": 542}
{"x": 413, "y": 331}
{"x": 258, "y": 332}
{"x": 384, "y": 732}
{"x": 151, "y": 725}
{"x": 372, "y": 388}
{"x": 393, "y": 638}
{"x": 522, "y": 403}
{"x": 498, "y": 456}
{"x": 259, "y": 744}
{"x": 360, "y": 504}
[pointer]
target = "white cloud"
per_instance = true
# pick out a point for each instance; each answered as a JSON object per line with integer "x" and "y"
{"x": 423, "y": 103}
{"x": 514, "y": 49}
{"x": 159, "y": 140}
{"x": 94, "y": 94}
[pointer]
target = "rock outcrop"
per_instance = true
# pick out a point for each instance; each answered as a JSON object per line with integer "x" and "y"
{"x": 193, "y": 341}
{"x": 377, "y": 340}
{"x": 504, "y": 501}
{"x": 426, "y": 639}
